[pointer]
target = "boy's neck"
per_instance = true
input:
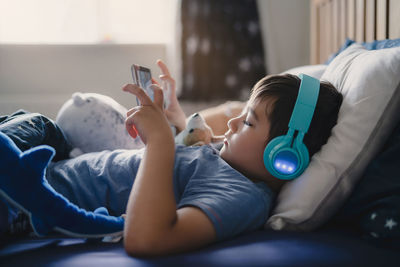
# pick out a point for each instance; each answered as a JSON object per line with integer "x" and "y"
{"x": 273, "y": 183}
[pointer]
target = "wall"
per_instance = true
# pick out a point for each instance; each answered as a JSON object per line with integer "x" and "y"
{"x": 286, "y": 32}
{"x": 41, "y": 78}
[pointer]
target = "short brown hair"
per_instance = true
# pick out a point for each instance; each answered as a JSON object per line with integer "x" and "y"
{"x": 281, "y": 91}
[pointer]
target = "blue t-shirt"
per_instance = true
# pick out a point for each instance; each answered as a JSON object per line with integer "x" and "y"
{"x": 201, "y": 179}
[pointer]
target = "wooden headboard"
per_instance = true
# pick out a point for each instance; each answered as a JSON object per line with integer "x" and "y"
{"x": 332, "y": 21}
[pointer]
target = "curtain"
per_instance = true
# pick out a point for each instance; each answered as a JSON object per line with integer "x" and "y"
{"x": 222, "y": 49}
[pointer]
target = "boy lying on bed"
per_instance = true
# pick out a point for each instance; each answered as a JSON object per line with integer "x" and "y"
{"x": 179, "y": 198}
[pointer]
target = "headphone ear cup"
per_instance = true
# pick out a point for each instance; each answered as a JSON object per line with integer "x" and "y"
{"x": 280, "y": 145}
{"x": 272, "y": 148}
{"x": 303, "y": 154}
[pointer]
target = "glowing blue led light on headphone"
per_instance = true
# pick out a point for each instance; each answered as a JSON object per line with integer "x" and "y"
{"x": 286, "y": 156}
{"x": 285, "y": 162}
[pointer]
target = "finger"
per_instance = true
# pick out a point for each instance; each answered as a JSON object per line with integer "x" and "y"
{"x": 163, "y": 67}
{"x": 139, "y": 93}
{"x": 168, "y": 114}
{"x": 132, "y": 110}
{"x": 153, "y": 81}
{"x": 168, "y": 79}
{"x": 158, "y": 96}
{"x": 126, "y": 85}
{"x": 168, "y": 85}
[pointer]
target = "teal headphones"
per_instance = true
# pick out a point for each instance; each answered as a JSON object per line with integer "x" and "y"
{"x": 286, "y": 156}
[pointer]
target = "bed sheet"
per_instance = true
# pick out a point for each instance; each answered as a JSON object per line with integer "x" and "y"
{"x": 327, "y": 247}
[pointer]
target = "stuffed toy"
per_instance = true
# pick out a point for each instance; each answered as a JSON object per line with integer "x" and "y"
{"x": 23, "y": 185}
{"x": 93, "y": 122}
{"x": 196, "y": 133}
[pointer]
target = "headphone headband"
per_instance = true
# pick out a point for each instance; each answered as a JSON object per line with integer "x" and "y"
{"x": 284, "y": 157}
{"x": 305, "y": 104}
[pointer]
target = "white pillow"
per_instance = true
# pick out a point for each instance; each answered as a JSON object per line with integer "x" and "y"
{"x": 315, "y": 71}
{"x": 370, "y": 83}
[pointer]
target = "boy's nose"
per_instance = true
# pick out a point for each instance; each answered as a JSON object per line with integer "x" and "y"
{"x": 232, "y": 124}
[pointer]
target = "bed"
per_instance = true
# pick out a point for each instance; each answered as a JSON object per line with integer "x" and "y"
{"x": 313, "y": 227}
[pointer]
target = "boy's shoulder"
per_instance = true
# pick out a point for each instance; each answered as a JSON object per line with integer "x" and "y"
{"x": 205, "y": 163}
{"x": 203, "y": 150}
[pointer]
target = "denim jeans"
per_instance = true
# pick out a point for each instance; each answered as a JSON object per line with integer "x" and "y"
{"x": 28, "y": 130}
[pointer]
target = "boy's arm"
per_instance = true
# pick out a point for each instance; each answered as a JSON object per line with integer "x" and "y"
{"x": 153, "y": 225}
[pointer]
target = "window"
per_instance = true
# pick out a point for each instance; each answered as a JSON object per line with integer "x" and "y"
{"x": 86, "y": 21}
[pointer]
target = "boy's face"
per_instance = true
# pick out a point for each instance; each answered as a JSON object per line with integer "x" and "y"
{"x": 245, "y": 141}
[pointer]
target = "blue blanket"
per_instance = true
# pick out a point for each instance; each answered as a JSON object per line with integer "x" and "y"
{"x": 23, "y": 185}
{"x": 373, "y": 209}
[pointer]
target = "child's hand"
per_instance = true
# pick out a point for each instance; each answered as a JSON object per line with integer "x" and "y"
{"x": 174, "y": 111}
{"x": 148, "y": 119}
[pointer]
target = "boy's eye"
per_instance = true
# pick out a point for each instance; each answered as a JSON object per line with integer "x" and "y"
{"x": 247, "y": 123}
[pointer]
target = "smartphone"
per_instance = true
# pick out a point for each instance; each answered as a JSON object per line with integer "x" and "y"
{"x": 142, "y": 77}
